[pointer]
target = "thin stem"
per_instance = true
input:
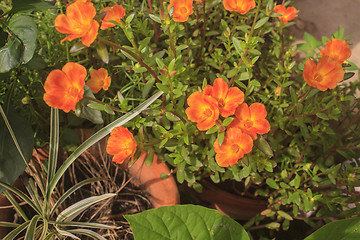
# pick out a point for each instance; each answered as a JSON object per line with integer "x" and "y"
{"x": 102, "y": 103}
{"x": 137, "y": 58}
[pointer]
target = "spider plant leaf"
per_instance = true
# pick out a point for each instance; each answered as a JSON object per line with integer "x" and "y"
{"x": 74, "y": 210}
{"x": 45, "y": 229}
{"x": 22, "y": 195}
{"x": 30, "y": 232}
{"x": 16, "y": 205}
{"x": 88, "y": 233}
{"x": 96, "y": 137}
{"x": 9, "y": 224}
{"x": 71, "y": 191}
{"x": 54, "y": 143}
{"x": 67, "y": 234}
{"x": 32, "y": 190}
{"x": 13, "y": 234}
{"x": 84, "y": 224}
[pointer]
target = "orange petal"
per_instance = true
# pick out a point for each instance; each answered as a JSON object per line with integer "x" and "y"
{"x": 258, "y": 111}
{"x": 220, "y": 89}
{"x": 262, "y": 126}
{"x": 242, "y": 112}
{"x": 91, "y": 35}
{"x": 309, "y": 72}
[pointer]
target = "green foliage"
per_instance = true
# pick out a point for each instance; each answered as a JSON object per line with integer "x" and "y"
{"x": 339, "y": 230}
{"x": 185, "y": 222}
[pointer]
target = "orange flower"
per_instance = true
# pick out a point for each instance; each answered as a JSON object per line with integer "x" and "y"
{"x": 121, "y": 144}
{"x": 116, "y": 13}
{"x": 337, "y": 50}
{"x": 65, "y": 88}
{"x": 323, "y": 75}
{"x": 203, "y": 110}
{"x": 182, "y": 9}
{"x": 236, "y": 143}
{"x": 99, "y": 79}
{"x": 287, "y": 14}
{"x": 228, "y": 98}
{"x": 78, "y": 22}
{"x": 251, "y": 120}
{"x": 277, "y": 91}
{"x": 240, "y": 6}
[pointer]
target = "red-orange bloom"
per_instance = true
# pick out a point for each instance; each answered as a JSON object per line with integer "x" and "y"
{"x": 240, "y": 6}
{"x": 182, "y": 9}
{"x": 337, "y": 50}
{"x": 99, "y": 79}
{"x": 251, "y": 120}
{"x": 65, "y": 88}
{"x": 116, "y": 13}
{"x": 228, "y": 98}
{"x": 287, "y": 14}
{"x": 121, "y": 144}
{"x": 323, "y": 75}
{"x": 78, "y": 22}
{"x": 203, "y": 110}
{"x": 236, "y": 143}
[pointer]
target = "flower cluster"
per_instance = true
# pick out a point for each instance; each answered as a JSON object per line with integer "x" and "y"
{"x": 79, "y": 21}
{"x": 205, "y": 108}
{"x": 65, "y": 88}
{"x": 184, "y": 8}
{"x": 328, "y": 71}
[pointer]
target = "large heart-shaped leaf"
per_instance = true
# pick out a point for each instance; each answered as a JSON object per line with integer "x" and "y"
{"x": 11, "y": 162}
{"x": 25, "y": 29}
{"x": 348, "y": 229}
{"x": 10, "y": 55}
{"x": 185, "y": 222}
{"x": 24, "y": 5}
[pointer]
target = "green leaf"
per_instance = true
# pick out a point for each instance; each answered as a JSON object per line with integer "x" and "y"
{"x": 147, "y": 87}
{"x": 185, "y": 222}
{"x": 13, "y": 234}
{"x": 163, "y": 88}
{"x": 23, "y": 5}
{"x": 16, "y": 144}
{"x": 10, "y": 55}
{"x": 348, "y": 75}
{"x": 221, "y": 137}
{"x": 271, "y": 182}
{"x": 74, "y": 210}
{"x": 83, "y": 224}
{"x": 237, "y": 45}
{"x": 71, "y": 191}
{"x": 261, "y": 22}
{"x": 25, "y": 29}
{"x": 88, "y": 233}
{"x": 82, "y": 110}
{"x": 172, "y": 117}
{"x": 285, "y": 215}
{"x": 263, "y": 146}
{"x": 155, "y": 18}
{"x": 30, "y": 232}
{"x": 102, "y": 52}
{"x": 348, "y": 229}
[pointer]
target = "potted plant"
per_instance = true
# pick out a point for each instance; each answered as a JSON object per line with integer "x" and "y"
{"x": 230, "y": 105}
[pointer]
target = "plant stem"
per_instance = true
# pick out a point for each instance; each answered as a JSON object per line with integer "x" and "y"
{"x": 137, "y": 58}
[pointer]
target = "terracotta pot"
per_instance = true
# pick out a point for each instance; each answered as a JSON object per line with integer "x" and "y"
{"x": 234, "y": 206}
{"x": 163, "y": 192}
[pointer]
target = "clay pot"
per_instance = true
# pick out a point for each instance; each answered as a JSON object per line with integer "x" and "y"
{"x": 235, "y": 206}
{"x": 163, "y": 192}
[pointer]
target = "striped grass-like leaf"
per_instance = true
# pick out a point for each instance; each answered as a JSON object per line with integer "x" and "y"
{"x": 9, "y": 224}
{"x": 74, "y": 210}
{"x": 30, "y": 232}
{"x": 32, "y": 190}
{"x": 83, "y": 224}
{"x": 88, "y": 233}
{"x": 16, "y": 205}
{"x": 71, "y": 191}
{"x": 50, "y": 236}
{"x": 22, "y": 195}
{"x": 54, "y": 143}
{"x": 95, "y": 138}
{"x": 12, "y": 235}
{"x": 67, "y": 234}
{"x": 45, "y": 229}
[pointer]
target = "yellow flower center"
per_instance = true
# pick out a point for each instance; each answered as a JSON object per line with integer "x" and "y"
{"x": 318, "y": 77}
{"x": 73, "y": 91}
